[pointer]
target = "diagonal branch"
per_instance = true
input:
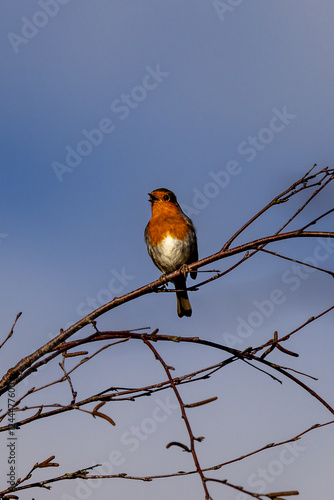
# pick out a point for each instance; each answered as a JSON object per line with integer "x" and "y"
{"x": 285, "y": 195}
{"x": 184, "y": 416}
{"x": 11, "y": 331}
{"x": 26, "y": 362}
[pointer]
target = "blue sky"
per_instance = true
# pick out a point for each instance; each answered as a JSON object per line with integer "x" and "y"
{"x": 102, "y": 102}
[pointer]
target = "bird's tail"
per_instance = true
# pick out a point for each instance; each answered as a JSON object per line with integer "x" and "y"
{"x": 183, "y": 304}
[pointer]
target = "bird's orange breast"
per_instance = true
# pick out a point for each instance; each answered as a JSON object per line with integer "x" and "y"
{"x": 164, "y": 222}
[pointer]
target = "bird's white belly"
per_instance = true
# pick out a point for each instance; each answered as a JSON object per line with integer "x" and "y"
{"x": 171, "y": 254}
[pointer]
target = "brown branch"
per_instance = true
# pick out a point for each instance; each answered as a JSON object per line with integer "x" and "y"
{"x": 68, "y": 378}
{"x": 120, "y": 395}
{"x": 11, "y": 331}
{"x": 283, "y": 197}
{"x": 63, "y": 347}
{"x": 24, "y": 366}
{"x": 83, "y": 473}
{"x": 60, "y": 346}
{"x": 313, "y": 195}
{"x": 331, "y": 273}
{"x": 79, "y": 474}
{"x": 300, "y": 327}
{"x": 259, "y": 496}
{"x": 25, "y": 363}
{"x": 297, "y": 381}
{"x": 269, "y": 446}
{"x": 184, "y": 416}
{"x": 246, "y": 356}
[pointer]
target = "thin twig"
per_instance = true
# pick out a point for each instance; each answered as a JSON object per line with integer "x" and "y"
{"x": 11, "y": 331}
{"x": 331, "y": 273}
{"x": 184, "y": 416}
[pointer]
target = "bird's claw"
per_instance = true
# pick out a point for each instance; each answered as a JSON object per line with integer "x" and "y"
{"x": 184, "y": 269}
{"x": 162, "y": 278}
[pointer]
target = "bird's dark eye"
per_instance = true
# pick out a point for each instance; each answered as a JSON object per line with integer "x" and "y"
{"x": 166, "y": 197}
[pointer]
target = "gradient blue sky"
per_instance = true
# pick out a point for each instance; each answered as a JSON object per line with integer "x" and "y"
{"x": 220, "y": 78}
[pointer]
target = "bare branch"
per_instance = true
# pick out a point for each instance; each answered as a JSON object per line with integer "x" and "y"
{"x": 11, "y": 331}
{"x": 184, "y": 416}
{"x": 258, "y": 358}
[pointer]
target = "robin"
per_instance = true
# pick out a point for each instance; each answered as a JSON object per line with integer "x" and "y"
{"x": 171, "y": 241}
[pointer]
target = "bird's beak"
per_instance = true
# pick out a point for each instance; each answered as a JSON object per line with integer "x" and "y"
{"x": 152, "y": 198}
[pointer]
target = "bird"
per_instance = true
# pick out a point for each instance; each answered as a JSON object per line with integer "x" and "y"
{"x": 171, "y": 242}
